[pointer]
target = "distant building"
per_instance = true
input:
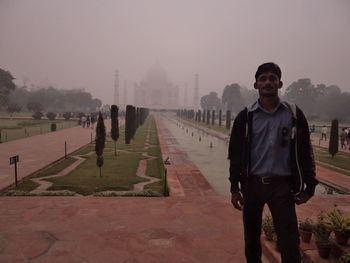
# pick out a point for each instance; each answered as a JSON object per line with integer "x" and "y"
{"x": 156, "y": 91}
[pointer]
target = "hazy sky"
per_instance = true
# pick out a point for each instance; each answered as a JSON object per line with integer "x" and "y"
{"x": 80, "y": 43}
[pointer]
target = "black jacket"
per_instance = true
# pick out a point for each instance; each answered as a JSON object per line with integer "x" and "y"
{"x": 303, "y": 163}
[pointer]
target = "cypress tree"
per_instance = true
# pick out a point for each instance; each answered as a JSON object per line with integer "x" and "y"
{"x": 114, "y": 126}
{"x": 203, "y": 115}
{"x": 133, "y": 122}
{"x": 220, "y": 117}
{"x": 128, "y": 123}
{"x": 208, "y": 117}
{"x": 199, "y": 115}
{"x": 213, "y": 117}
{"x": 334, "y": 138}
{"x": 228, "y": 120}
{"x": 137, "y": 118}
{"x": 100, "y": 141}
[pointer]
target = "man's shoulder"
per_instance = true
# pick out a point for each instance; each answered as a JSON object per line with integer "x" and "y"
{"x": 294, "y": 108}
{"x": 242, "y": 113}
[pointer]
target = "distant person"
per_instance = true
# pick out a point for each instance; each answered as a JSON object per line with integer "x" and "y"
{"x": 343, "y": 137}
{"x": 83, "y": 121}
{"x": 324, "y": 133}
{"x": 347, "y": 136}
{"x": 312, "y": 129}
{"x": 93, "y": 120}
{"x": 271, "y": 162}
{"x": 88, "y": 121}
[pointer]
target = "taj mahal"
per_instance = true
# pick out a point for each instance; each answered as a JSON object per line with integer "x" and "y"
{"x": 156, "y": 90}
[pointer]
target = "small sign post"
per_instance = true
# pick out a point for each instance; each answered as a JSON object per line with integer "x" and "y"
{"x": 15, "y": 160}
{"x": 65, "y": 150}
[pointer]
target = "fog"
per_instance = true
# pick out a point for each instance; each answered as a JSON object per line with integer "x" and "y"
{"x": 80, "y": 43}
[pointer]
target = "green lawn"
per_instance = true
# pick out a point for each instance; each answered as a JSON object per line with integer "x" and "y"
{"x": 16, "y": 114}
{"x": 26, "y": 185}
{"x": 341, "y": 159}
{"x": 118, "y": 173}
{"x": 16, "y": 129}
{"x": 56, "y": 168}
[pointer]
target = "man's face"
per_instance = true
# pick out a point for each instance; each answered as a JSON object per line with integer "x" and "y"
{"x": 268, "y": 84}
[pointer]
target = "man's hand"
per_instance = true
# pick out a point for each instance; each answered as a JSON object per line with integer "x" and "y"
{"x": 302, "y": 198}
{"x": 237, "y": 201}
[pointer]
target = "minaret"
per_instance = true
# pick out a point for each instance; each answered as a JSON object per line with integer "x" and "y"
{"x": 125, "y": 93}
{"x": 195, "y": 93}
{"x": 185, "y": 96}
{"x": 116, "y": 88}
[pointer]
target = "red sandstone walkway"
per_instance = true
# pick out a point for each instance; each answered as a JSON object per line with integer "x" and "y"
{"x": 39, "y": 151}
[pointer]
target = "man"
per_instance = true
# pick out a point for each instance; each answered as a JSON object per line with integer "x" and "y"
{"x": 324, "y": 133}
{"x": 271, "y": 162}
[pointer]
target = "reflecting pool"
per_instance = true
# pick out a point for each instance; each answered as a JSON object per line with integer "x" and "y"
{"x": 209, "y": 154}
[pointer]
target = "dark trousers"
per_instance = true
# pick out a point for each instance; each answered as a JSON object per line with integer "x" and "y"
{"x": 282, "y": 207}
{"x": 324, "y": 135}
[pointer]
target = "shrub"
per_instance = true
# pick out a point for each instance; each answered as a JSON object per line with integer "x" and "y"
{"x": 322, "y": 232}
{"x": 37, "y": 115}
{"x": 268, "y": 228}
{"x": 67, "y": 115}
{"x": 306, "y": 225}
{"x": 51, "y": 115}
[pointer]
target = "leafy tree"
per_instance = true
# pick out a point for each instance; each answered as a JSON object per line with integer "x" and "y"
{"x": 334, "y": 138}
{"x": 100, "y": 141}
{"x": 95, "y": 104}
{"x": 303, "y": 93}
{"x": 334, "y": 105}
{"x": 13, "y": 107}
{"x": 6, "y": 86}
{"x": 114, "y": 126}
{"x": 34, "y": 106}
{"x": 210, "y": 102}
{"x": 232, "y": 98}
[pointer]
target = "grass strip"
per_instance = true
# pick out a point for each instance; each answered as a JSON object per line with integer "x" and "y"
{"x": 341, "y": 160}
{"x": 56, "y": 168}
{"x": 26, "y": 185}
{"x": 118, "y": 173}
{"x": 333, "y": 168}
{"x": 146, "y": 193}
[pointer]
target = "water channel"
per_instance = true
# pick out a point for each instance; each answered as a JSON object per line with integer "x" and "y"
{"x": 209, "y": 154}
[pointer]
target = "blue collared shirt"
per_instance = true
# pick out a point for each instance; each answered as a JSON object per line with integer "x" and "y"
{"x": 271, "y": 133}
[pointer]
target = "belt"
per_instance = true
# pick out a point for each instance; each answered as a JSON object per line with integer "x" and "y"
{"x": 270, "y": 179}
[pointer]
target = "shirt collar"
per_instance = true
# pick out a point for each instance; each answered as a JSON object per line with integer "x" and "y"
{"x": 256, "y": 105}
